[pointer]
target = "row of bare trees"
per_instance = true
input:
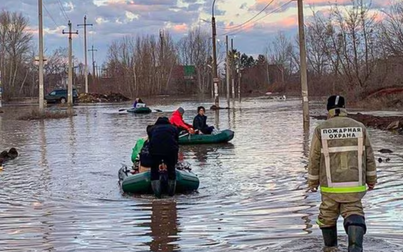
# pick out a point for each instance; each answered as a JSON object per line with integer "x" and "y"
{"x": 141, "y": 65}
{"x": 351, "y": 49}
{"x": 15, "y": 45}
{"x": 18, "y": 65}
{"x": 149, "y": 65}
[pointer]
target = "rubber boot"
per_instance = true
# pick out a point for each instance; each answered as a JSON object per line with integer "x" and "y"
{"x": 156, "y": 186}
{"x": 330, "y": 238}
{"x": 171, "y": 187}
{"x": 355, "y": 238}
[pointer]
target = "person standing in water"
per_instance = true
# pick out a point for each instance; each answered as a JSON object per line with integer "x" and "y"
{"x": 342, "y": 163}
{"x": 163, "y": 148}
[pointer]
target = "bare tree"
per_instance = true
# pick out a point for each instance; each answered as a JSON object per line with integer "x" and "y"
{"x": 195, "y": 49}
{"x": 15, "y": 43}
{"x": 392, "y": 29}
{"x": 141, "y": 65}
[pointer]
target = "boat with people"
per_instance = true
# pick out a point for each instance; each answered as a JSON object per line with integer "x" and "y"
{"x": 139, "y": 110}
{"x": 135, "y": 182}
{"x": 139, "y": 107}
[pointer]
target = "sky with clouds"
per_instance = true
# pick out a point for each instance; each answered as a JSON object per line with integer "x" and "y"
{"x": 113, "y": 19}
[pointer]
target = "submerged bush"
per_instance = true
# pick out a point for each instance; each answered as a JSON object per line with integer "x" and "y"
{"x": 35, "y": 114}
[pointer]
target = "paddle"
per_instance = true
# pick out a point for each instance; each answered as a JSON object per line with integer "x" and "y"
{"x": 122, "y": 109}
{"x": 181, "y": 136}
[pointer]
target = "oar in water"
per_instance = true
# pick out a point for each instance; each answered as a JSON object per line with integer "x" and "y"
{"x": 123, "y": 109}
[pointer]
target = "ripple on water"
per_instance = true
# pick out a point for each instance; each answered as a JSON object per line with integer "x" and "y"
{"x": 62, "y": 193}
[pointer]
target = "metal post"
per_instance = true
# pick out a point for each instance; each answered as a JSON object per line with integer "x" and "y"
{"x": 227, "y": 71}
{"x": 303, "y": 70}
{"x": 85, "y": 52}
{"x": 41, "y": 88}
{"x": 215, "y": 75}
{"x": 70, "y": 83}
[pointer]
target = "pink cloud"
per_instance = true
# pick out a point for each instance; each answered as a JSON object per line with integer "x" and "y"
{"x": 180, "y": 28}
{"x": 260, "y": 4}
{"x": 288, "y": 21}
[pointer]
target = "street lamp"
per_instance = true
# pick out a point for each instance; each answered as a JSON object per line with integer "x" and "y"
{"x": 215, "y": 77}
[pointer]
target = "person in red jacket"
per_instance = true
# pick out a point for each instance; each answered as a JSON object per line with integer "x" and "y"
{"x": 177, "y": 120}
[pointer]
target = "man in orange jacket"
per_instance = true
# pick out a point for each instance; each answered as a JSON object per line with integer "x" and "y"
{"x": 177, "y": 120}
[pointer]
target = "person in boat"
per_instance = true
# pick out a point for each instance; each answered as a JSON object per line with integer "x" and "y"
{"x": 177, "y": 120}
{"x": 141, "y": 157}
{"x": 200, "y": 122}
{"x": 163, "y": 148}
{"x": 342, "y": 163}
{"x": 138, "y": 103}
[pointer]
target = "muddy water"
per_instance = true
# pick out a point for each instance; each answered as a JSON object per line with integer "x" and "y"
{"x": 62, "y": 193}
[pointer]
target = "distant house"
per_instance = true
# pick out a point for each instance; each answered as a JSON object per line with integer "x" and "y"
{"x": 185, "y": 73}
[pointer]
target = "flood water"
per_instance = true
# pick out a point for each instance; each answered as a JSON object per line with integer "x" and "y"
{"x": 62, "y": 192}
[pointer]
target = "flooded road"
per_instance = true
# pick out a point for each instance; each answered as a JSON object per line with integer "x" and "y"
{"x": 62, "y": 192}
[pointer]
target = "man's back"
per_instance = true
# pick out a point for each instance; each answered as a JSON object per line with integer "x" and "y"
{"x": 344, "y": 150}
{"x": 163, "y": 138}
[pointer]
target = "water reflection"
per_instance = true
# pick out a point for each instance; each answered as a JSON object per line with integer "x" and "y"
{"x": 217, "y": 119}
{"x": 164, "y": 226}
{"x": 202, "y": 153}
{"x": 306, "y": 139}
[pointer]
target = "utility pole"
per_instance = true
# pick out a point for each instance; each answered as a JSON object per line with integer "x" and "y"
{"x": 92, "y": 50}
{"x": 215, "y": 76}
{"x": 233, "y": 68}
{"x": 85, "y": 52}
{"x": 303, "y": 68}
{"x": 41, "y": 89}
{"x": 161, "y": 58}
{"x": 70, "y": 84}
{"x": 239, "y": 83}
{"x": 227, "y": 71}
{"x": 162, "y": 35}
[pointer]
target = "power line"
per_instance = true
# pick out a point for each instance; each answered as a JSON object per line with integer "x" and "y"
{"x": 50, "y": 16}
{"x": 63, "y": 11}
{"x": 236, "y": 31}
{"x": 247, "y": 21}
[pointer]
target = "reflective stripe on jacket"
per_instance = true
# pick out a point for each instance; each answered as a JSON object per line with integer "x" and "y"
{"x": 341, "y": 159}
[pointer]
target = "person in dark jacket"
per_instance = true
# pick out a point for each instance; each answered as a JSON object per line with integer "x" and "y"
{"x": 200, "y": 122}
{"x": 163, "y": 148}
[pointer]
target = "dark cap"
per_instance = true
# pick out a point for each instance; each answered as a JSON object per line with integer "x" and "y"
{"x": 335, "y": 101}
{"x": 181, "y": 110}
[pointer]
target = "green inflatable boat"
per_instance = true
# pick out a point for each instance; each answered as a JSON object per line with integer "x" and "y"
{"x": 140, "y": 183}
{"x": 141, "y": 110}
{"x": 219, "y": 137}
